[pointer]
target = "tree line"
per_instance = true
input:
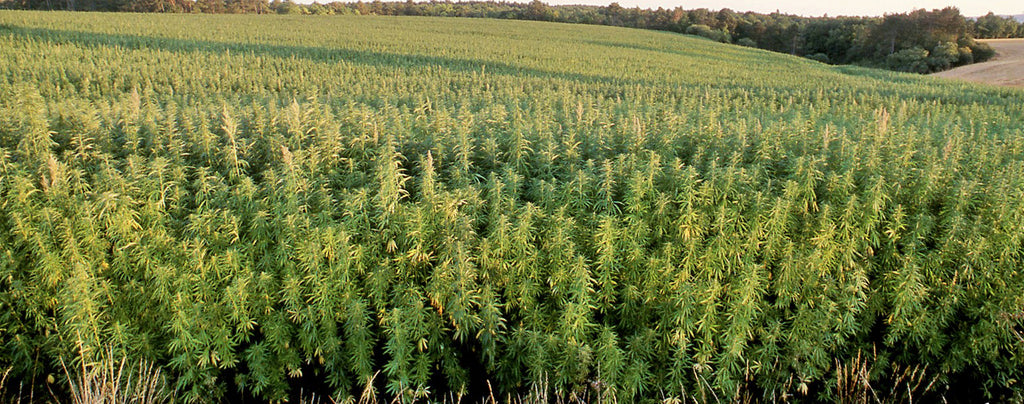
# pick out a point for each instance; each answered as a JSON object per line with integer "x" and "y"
{"x": 921, "y": 41}
{"x": 997, "y": 26}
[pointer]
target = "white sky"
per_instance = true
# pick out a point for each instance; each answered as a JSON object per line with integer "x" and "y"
{"x": 810, "y": 7}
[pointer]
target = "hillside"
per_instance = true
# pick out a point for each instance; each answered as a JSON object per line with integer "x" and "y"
{"x": 424, "y": 208}
{"x": 920, "y": 41}
{"x": 1006, "y": 69}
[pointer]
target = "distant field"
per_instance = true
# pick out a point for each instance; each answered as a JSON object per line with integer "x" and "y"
{"x": 1006, "y": 69}
{"x": 427, "y": 208}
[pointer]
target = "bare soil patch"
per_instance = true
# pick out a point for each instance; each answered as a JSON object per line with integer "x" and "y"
{"x": 1006, "y": 69}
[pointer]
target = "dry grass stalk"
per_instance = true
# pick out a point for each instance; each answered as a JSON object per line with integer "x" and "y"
{"x": 853, "y": 383}
{"x": 116, "y": 382}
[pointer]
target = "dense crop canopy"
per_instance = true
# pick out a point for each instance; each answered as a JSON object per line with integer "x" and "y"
{"x": 261, "y": 203}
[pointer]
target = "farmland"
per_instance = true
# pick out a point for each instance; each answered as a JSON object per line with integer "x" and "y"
{"x": 1005, "y": 70}
{"x": 266, "y": 204}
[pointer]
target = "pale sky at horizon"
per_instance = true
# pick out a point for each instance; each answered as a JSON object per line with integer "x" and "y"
{"x": 809, "y": 7}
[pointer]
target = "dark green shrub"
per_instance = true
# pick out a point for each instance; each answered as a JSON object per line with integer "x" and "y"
{"x": 819, "y": 57}
{"x": 943, "y": 56}
{"x": 982, "y": 52}
{"x": 966, "y": 56}
{"x": 913, "y": 60}
{"x": 750, "y": 43}
{"x": 708, "y": 32}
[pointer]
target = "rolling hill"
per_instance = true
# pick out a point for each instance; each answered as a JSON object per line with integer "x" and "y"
{"x": 427, "y": 208}
{"x": 1004, "y": 70}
